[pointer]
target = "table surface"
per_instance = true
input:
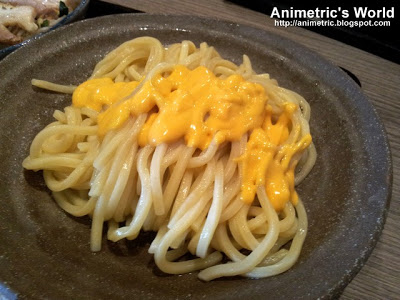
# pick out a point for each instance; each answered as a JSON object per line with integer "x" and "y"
{"x": 380, "y": 80}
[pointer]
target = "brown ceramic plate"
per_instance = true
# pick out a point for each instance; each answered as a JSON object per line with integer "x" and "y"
{"x": 44, "y": 253}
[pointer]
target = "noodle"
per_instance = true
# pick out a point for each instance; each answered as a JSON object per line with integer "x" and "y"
{"x": 196, "y": 191}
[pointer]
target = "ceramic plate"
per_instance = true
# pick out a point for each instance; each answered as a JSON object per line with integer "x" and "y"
{"x": 44, "y": 252}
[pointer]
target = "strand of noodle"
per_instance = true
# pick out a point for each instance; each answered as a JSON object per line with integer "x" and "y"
{"x": 180, "y": 240}
{"x": 231, "y": 209}
{"x": 120, "y": 78}
{"x": 98, "y": 181}
{"x": 261, "y": 230}
{"x": 104, "y": 66}
{"x": 174, "y": 254}
{"x": 132, "y": 74}
{"x": 63, "y": 201}
{"x": 240, "y": 229}
{"x": 305, "y": 127}
{"x": 213, "y": 214}
{"x": 258, "y": 220}
{"x": 35, "y": 148}
{"x": 73, "y": 177}
{"x": 199, "y": 222}
{"x": 74, "y": 117}
{"x": 90, "y": 113}
{"x": 107, "y": 140}
{"x": 290, "y": 158}
{"x": 172, "y": 234}
{"x": 205, "y": 156}
{"x": 304, "y": 105}
{"x": 60, "y": 116}
{"x": 160, "y": 68}
{"x": 230, "y": 191}
{"x": 156, "y": 56}
{"x": 130, "y": 46}
{"x": 256, "y": 256}
{"x": 133, "y": 197}
{"x": 207, "y": 54}
{"x": 47, "y": 85}
{"x": 97, "y": 225}
{"x": 274, "y": 258}
{"x": 155, "y": 179}
{"x": 100, "y": 208}
{"x": 297, "y": 120}
{"x": 112, "y": 226}
{"x": 232, "y": 164}
{"x": 258, "y": 224}
{"x": 51, "y": 162}
{"x": 186, "y": 48}
{"x": 83, "y": 147}
{"x": 138, "y": 186}
{"x": 119, "y": 159}
{"x": 293, "y": 136}
{"x": 174, "y": 146}
{"x": 137, "y": 55}
{"x": 192, "y": 61}
{"x": 125, "y": 155}
{"x": 67, "y": 142}
{"x": 111, "y": 142}
{"x": 78, "y": 155}
{"x": 116, "y": 54}
{"x": 226, "y": 245}
{"x": 294, "y": 252}
{"x": 291, "y": 231}
{"x": 149, "y": 222}
{"x": 234, "y": 254}
{"x": 172, "y": 53}
{"x": 204, "y": 183}
{"x": 145, "y": 200}
{"x": 183, "y": 191}
{"x": 268, "y": 84}
{"x": 286, "y": 153}
{"x": 198, "y": 176}
{"x": 284, "y": 96}
{"x": 246, "y": 69}
{"x": 84, "y": 183}
{"x": 130, "y": 193}
{"x": 128, "y": 196}
{"x": 306, "y": 168}
{"x": 290, "y": 215}
{"x": 160, "y": 234}
{"x": 173, "y": 154}
{"x": 223, "y": 72}
{"x": 219, "y": 62}
{"x": 282, "y": 241}
{"x": 170, "y": 158}
{"x": 194, "y": 241}
{"x": 58, "y": 143}
{"x": 174, "y": 181}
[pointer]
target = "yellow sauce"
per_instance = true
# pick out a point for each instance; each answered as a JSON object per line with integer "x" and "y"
{"x": 198, "y": 106}
{"x": 264, "y": 163}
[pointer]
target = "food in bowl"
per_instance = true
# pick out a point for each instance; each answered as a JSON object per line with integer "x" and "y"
{"x": 21, "y": 19}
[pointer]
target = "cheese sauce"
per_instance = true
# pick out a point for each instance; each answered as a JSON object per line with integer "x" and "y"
{"x": 198, "y": 106}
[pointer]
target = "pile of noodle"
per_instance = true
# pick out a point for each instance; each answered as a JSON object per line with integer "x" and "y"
{"x": 191, "y": 198}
